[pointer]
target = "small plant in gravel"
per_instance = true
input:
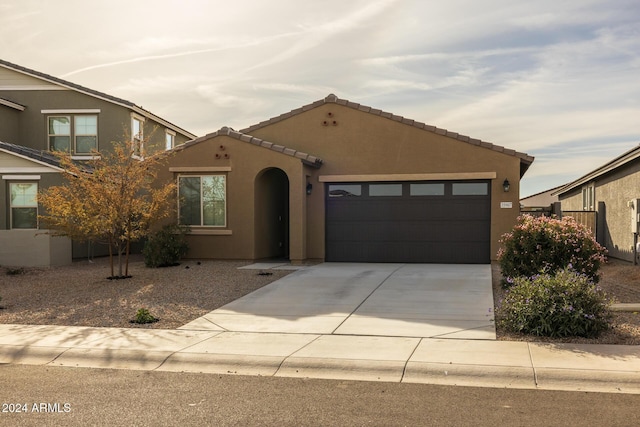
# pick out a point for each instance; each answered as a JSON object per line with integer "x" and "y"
{"x": 15, "y": 271}
{"x": 143, "y": 316}
{"x": 546, "y": 245}
{"x": 563, "y": 304}
{"x": 165, "y": 247}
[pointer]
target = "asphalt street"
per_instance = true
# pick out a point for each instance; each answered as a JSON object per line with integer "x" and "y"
{"x": 52, "y": 396}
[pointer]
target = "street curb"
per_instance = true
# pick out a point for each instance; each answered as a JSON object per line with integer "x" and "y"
{"x": 342, "y": 369}
{"x": 221, "y": 363}
{"x": 29, "y": 355}
{"x": 589, "y": 380}
{"x": 470, "y": 375}
{"x": 108, "y": 358}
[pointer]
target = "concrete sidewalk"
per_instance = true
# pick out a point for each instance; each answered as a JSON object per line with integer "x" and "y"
{"x": 485, "y": 363}
{"x": 386, "y": 322}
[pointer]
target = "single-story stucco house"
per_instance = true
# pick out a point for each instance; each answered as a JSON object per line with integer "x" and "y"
{"x": 339, "y": 181}
{"x": 613, "y": 192}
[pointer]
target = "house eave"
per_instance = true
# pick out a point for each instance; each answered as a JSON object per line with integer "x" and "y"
{"x": 608, "y": 167}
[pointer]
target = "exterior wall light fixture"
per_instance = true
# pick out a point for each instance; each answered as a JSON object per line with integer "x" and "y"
{"x": 506, "y": 185}
{"x": 309, "y": 188}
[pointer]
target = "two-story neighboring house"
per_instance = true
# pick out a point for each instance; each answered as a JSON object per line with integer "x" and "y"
{"x": 40, "y": 114}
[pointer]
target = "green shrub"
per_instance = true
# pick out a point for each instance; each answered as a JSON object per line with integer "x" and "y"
{"x": 546, "y": 245}
{"x": 563, "y": 304}
{"x": 166, "y": 247}
{"x": 143, "y": 316}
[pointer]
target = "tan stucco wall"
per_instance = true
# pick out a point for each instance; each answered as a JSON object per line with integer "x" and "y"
{"x": 360, "y": 144}
{"x": 364, "y": 143}
{"x": 246, "y": 162}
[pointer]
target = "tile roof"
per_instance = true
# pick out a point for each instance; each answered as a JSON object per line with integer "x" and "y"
{"x": 610, "y": 166}
{"x": 525, "y": 159}
{"x": 306, "y": 158}
{"x": 94, "y": 93}
{"x": 41, "y": 156}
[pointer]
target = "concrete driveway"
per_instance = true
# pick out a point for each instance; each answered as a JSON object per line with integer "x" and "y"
{"x": 393, "y": 300}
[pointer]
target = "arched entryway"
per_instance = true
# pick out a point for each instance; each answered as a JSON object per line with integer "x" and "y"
{"x": 272, "y": 214}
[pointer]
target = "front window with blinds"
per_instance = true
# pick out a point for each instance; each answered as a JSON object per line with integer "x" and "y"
{"x": 202, "y": 200}
{"x": 23, "y": 205}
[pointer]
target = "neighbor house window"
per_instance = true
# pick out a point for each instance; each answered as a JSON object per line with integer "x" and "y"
{"x": 137, "y": 136}
{"x": 60, "y": 133}
{"x": 202, "y": 200}
{"x": 24, "y": 204}
{"x": 170, "y": 139}
{"x": 588, "y": 198}
{"x": 74, "y": 134}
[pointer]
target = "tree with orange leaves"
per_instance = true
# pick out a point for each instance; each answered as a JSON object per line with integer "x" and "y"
{"x": 109, "y": 199}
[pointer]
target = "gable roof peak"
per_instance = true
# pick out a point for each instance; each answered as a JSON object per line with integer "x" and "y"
{"x": 94, "y": 93}
{"x": 525, "y": 159}
{"x": 331, "y": 98}
{"x": 306, "y": 158}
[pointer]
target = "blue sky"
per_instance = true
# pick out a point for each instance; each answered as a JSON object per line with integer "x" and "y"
{"x": 559, "y": 80}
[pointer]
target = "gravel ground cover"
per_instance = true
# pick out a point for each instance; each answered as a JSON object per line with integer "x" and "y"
{"x": 81, "y": 295}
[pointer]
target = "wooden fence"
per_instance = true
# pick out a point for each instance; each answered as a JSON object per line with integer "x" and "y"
{"x": 587, "y": 218}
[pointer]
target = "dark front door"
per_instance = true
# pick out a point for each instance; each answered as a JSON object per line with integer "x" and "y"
{"x": 420, "y": 222}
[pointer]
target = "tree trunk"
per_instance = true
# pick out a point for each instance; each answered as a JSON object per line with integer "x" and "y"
{"x": 111, "y": 256}
{"x": 128, "y": 250}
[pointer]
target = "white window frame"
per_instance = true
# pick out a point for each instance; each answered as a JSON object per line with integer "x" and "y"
{"x": 137, "y": 139}
{"x": 201, "y": 176}
{"x": 12, "y": 206}
{"x": 169, "y": 139}
{"x": 76, "y": 135}
{"x": 588, "y": 197}
{"x": 71, "y": 115}
{"x": 49, "y": 134}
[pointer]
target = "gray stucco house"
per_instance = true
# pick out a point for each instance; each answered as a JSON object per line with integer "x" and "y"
{"x": 40, "y": 114}
{"x": 613, "y": 192}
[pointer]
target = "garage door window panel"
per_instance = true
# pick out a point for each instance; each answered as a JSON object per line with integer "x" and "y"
{"x": 385, "y": 190}
{"x": 470, "y": 189}
{"x": 435, "y": 189}
{"x": 345, "y": 190}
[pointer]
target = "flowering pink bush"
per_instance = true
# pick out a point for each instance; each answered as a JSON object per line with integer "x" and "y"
{"x": 546, "y": 245}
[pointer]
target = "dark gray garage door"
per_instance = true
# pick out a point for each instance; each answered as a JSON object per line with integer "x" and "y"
{"x": 430, "y": 222}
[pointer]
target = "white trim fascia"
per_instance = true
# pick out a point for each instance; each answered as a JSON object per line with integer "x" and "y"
{"x": 408, "y": 177}
{"x": 72, "y": 111}
{"x": 31, "y": 160}
{"x": 34, "y": 87}
{"x": 140, "y": 117}
{"x": 79, "y": 157}
{"x": 199, "y": 169}
{"x": 161, "y": 121}
{"x": 37, "y": 169}
{"x": 13, "y": 105}
{"x": 61, "y": 86}
{"x": 21, "y": 177}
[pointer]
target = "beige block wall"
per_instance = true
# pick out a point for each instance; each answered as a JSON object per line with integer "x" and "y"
{"x": 33, "y": 248}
